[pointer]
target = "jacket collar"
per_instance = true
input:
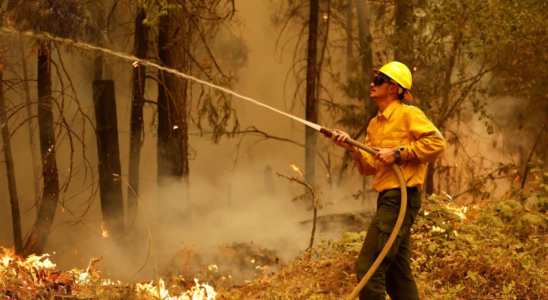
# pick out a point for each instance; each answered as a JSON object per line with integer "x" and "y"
{"x": 390, "y": 109}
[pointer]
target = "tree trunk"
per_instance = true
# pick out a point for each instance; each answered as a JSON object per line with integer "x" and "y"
{"x": 108, "y": 149}
{"x": 138, "y": 79}
{"x": 35, "y": 170}
{"x": 172, "y": 159}
{"x": 403, "y": 47}
{"x": 112, "y": 201}
{"x": 349, "y": 42}
{"x": 39, "y": 234}
{"x": 366, "y": 59}
{"x": 10, "y": 168}
{"x": 429, "y": 182}
{"x": 311, "y": 104}
{"x": 366, "y": 55}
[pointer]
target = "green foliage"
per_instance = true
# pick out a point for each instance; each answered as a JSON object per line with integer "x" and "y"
{"x": 351, "y": 242}
{"x": 496, "y": 249}
{"x": 156, "y": 9}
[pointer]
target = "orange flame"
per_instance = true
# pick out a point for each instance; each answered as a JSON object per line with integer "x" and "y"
{"x": 104, "y": 229}
{"x": 37, "y": 273}
{"x": 198, "y": 292}
{"x": 296, "y": 169}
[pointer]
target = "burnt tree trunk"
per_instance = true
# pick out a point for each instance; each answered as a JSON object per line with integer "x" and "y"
{"x": 136, "y": 127}
{"x": 35, "y": 170}
{"x": 108, "y": 149}
{"x": 403, "y": 47}
{"x": 39, "y": 234}
{"x": 112, "y": 201}
{"x": 172, "y": 159}
{"x": 311, "y": 103}
{"x": 10, "y": 169}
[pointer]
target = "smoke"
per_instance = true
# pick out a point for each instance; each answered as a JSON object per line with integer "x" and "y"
{"x": 232, "y": 200}
{"x": 234, "y": 194}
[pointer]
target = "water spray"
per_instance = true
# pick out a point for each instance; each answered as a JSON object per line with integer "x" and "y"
{"x": 326, "y": 131}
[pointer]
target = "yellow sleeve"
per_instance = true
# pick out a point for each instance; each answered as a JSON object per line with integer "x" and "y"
{"x": 365, "y": 161}
{"x": 429, "y": 143}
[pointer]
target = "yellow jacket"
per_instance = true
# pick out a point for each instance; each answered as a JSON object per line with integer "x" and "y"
{"x": 400, "y": 125}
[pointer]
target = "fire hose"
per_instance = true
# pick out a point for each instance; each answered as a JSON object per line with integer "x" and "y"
{"x": 329, "y": 133}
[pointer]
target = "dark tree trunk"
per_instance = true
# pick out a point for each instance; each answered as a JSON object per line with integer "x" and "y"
{"x": 136, "y": 127}
{"x": 10, "y": 169}
{"x": 35, "y": 170}
{"x": 172, "y": 159}
{"x": 311, "y": 103}
{"x": 403, "y": 47}
{"x": 112, "y": 201}
{"x": 108, "y": 149}
{"x": 50, "y": 190}
{"x": 429, "y": 182}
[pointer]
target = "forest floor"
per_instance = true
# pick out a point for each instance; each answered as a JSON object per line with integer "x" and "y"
{"x": 488, "y": 251}
{"x": 483, "y": 251}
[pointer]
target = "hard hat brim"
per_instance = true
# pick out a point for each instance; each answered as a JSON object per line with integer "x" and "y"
{"x": 407, "y": 95}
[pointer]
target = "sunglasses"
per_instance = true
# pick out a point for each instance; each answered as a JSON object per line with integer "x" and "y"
{"x": 380, "y": 80}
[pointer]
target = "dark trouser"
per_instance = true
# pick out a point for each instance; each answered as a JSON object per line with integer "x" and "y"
{"x": 394, "y": 274}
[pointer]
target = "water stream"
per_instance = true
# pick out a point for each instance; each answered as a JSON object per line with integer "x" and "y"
{"x": 133, "y": 59}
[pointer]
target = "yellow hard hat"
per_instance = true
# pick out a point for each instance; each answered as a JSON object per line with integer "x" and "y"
{"x": 399, "y": 73}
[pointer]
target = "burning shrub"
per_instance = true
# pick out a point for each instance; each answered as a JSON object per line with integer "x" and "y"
{"x": 36, "y": 278}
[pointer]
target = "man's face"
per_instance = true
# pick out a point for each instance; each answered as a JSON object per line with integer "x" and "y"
{"x": 379, "y": 92}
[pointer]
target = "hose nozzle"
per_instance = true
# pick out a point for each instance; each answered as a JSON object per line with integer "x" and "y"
{"x": 328, "y": 132}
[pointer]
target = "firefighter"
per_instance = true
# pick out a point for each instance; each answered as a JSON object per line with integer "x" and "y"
{"x": 403, "y": 135}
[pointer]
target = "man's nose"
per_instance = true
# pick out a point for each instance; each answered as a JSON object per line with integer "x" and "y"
{"x": 372, "y": 85}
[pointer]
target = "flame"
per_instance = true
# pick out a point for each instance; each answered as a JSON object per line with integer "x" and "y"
{"x": 37, "y": 274}
{"x": 104, "y": 229}
{"x": 135, "y": 64}
{"x": 296, "y": 169}
{"x": 29, "y": 273}
{"x": 327, "y": 175}
{"x": 197, "y": 292}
